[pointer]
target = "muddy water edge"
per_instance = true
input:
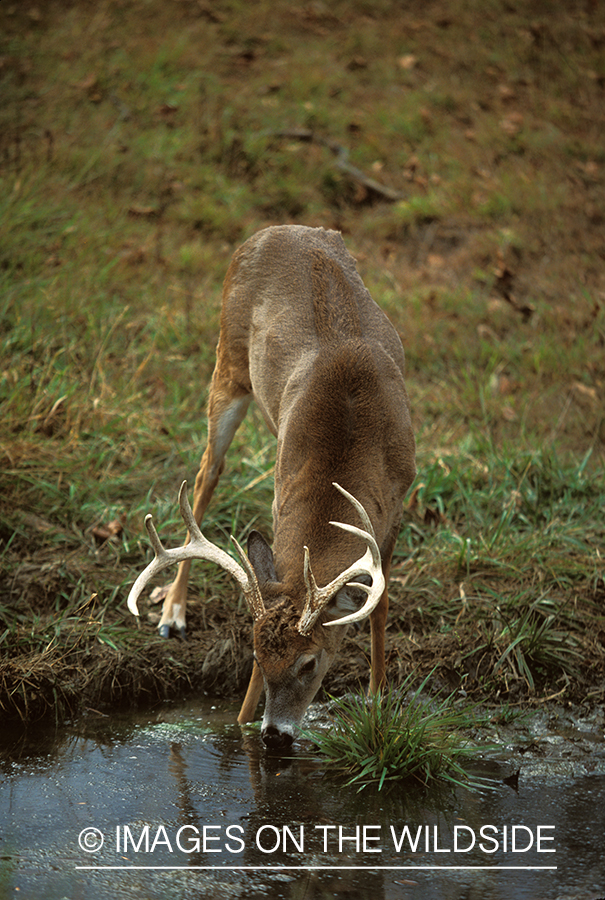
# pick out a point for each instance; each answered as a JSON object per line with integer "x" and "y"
{"x": 181, "y": 802}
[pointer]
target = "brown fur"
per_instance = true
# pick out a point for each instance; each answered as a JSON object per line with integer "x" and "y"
{"x": 300, "y": 333}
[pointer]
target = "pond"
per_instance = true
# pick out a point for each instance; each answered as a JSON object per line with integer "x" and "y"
{"x": 180, "y": 802}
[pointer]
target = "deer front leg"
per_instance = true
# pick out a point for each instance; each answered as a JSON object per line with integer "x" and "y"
{"x": 175, "y": 602}
{"x": 255, "y": 688}
{"x": 226, "y": 410}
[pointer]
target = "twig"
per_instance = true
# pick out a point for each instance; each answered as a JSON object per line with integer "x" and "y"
{"x": 342, "y": 160}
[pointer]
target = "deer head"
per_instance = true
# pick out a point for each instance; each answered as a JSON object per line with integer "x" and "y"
{"x": 295, "y": 636}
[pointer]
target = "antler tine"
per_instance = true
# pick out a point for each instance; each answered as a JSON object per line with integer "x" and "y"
{"x": 365, "y": 519}
{"x": 254, "y": 599}
{"x": 369, "y": 564}
{"x": 187, "y": 515}
{"x": 198, "y": 547}
{"x": 159, "y": 562}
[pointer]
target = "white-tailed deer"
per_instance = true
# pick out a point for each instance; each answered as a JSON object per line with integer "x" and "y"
{"x": 301, "y": 334}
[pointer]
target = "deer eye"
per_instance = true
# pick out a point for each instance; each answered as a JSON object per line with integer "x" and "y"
{"x": 308, "y": 668}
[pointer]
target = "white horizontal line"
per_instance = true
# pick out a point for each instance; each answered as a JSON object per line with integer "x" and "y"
{"x": 314, "y": 868}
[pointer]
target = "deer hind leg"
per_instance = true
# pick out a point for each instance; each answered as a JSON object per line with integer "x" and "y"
{"x": 226, "y": 409}
{"x": 378, "y": 621}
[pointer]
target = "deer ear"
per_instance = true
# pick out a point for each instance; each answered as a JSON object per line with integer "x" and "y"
{"x": 261, "y": 557}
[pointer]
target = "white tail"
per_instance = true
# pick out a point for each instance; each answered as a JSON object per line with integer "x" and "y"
{"x": 301, "y": 334}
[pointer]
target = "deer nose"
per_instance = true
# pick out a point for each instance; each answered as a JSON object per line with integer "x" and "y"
{"x": 275, "y": 739}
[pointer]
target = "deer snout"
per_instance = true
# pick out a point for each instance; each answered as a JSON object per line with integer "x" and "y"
{"x": 275, "y": 739}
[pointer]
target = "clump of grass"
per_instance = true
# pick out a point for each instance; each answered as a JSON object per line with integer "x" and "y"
{"x": 396, "y": 736}
{"x": 533, "y": 643}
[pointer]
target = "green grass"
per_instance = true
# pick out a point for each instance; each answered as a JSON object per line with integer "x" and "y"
{"x": 507, "y": 566}
{"x": 132, "y": 168}
{"x": 395, "y": 736}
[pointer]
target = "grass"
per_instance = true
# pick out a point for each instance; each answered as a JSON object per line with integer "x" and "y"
{"x": 508, "y": 548}
{"x": 396, "y": 736}
{"x": 51, "y": 668}
{"x": 130, "y": 171}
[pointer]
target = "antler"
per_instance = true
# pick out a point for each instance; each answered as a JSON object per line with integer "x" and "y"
{"x": 197, "y": 548}
{"x": 369, "y": 564}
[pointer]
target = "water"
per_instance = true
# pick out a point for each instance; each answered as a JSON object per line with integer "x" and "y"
{"x": 187, "y": 806}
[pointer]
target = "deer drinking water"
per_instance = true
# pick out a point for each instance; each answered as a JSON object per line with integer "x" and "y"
{"x": 301, "y": 335}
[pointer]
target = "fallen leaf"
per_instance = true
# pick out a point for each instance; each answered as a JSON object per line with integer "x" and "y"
{"x": 143, "y": 212}
{"x": 408, "y": 61}
{"x": 357, "y": 62}
{"x": 512, "y": 124}
{"x": 584, "y": 392}
{"x": 413, "y": 502}
{"x": 134, "y": 256}
{"x": 89, "y": 83}
{"x": 486, "y": 333}
{"x": 426, "y": 115}
{"x": 167, "y": 110}
{"x": 506, "y": 93}
{"x": 105, "y": 532}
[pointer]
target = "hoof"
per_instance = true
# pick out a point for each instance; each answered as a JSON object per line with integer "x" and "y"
{"x": 164, "y": 631}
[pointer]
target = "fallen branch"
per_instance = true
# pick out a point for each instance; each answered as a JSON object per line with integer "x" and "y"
{"x": 342, "y": 160}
